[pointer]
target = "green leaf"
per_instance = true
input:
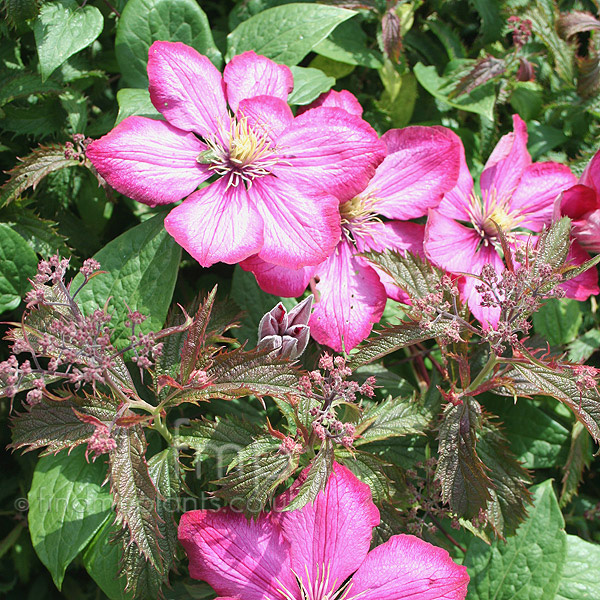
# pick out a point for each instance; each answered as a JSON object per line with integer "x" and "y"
{"x": 462, "y": 474}
{"x": 146, "y": 21}
{"x": 67, "y": 505}
{"x": 135, "y": 101}
{"x": 580, "y": 574}
{"x": 62, "y": 29}
{"x": 141, "y": 270}
{"x": 388, "y": 383}
{"x": 309, "y": 84}
{"x": 348, "y": 44}
{"x": 18, "y": 263}
{"x": 254, "y": 302}
{"x": 371, "y": 470}
{"x": 538, "y": 440}
{"x": 32, "y": 169}
{"x": 22, "y": 85}
{"x": 481, "y": 100}
{"x": 553, "y": 245}
{"x": 491, "y": 19}
{"x": 527, "y": 98}
{"x": 250, "y": 485}
{"x": 558, "y": 320}
{"x": 580, "y": 457}
{"x": 315, "y": 480}
{"x": 42, "y": 120}
{"x": 584, "y": 346}
{"x": 286, "y": 33}
{"x": 528, "y": 565}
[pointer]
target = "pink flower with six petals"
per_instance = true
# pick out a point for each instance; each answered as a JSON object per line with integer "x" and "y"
{"x": 518, "y": 195}
{"x": 421, "y": 165}
{"x": 309, "y": 554}
{"x": 277, "y": 178}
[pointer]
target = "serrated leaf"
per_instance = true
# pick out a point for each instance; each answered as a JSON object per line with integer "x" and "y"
{"x": 553, "y": 245}
{"x": 561, "y": 385}
{"x": 579, "y": 459}
{"x": 580, "y": 574}
{"x": 462, "y": 474}
{"x": 55, "y": 426}
{"x": 315, "y": 480}
{"x": 558, "y": 320}
{"x": 141, "y": 269}
{"x": 19, "y": 11}
{"x": 135, "y": 101}
{"x": 509, "y": 494}
{"x": 143, "y": 22}
{"x": 23, "y": 84}
{"x": 249, "y": 486}
{"x": 392, "y": 418}
{"x": 309, "y": 84}
{"x": 387, "y": 382}
{"x": 67, "y": 505}
{"x": 348, "y": 44}
{"x": 287, "y": 33}
{"x": 481, "y": 100}
{"x": 240, "y": 373}
{"x": 41, "y": 121}
{"x": 371, "y": 470}
{"x": 32, "y": 169}
{"x": 18, "y": 263}
{"x": 584, "y": 346}
{"x": 62, "y": 29}
{"x": 134, "y": 493}
{"x": 491, "y": 19}
{"x": 528, "y": 565}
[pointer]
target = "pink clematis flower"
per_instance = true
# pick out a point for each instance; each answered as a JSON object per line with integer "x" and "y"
{"x": 421, "y": 165}
{"x": 582, "y": 204}
{"x": 309, "y": 554}
{"x": 276, "y": 178}
{"x": 461, "y": 236}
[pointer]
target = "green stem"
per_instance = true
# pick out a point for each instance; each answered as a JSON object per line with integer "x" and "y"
{"x": 159, "y": 426}
{"x": 489, "y": 365}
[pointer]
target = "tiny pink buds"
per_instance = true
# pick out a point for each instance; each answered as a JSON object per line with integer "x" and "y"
{"x": 285, "y": 333}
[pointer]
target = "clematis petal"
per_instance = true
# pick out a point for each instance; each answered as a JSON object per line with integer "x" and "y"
{"x": 585, "y": 285}
{"x": 406, "y": 567}
{"x": 186, "y": 88}
{"x": 591, "y": 174}
{"x": 540, "y": 185}
{"x": 300, "y": 228}
{"x": 330, "y": 538}
{"x": 508, "y": 161}
{"x": 402, "y": 236}
{"x": 456, "y": 203}
{"x": 276, "y": 280}
{"x": 267, "y": 115}
{"x": 249, "y": 74}
{"x": 587, "y": 231}
{"x": 457, "y": 249}
{"x": 149, "y": 161}
{"x": 413, "y": 178}
{"x": 238, "y": 557}
{"x": 217, "y": 224}
{"x": 351, "y": 299}
{"x": 577, "y": 201}
{"x": 329, "y": 150}
{"x": 343, "y": 99}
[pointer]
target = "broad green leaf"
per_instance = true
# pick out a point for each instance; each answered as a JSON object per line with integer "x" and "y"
{"x": 558, "y": 320}
{"x": 309, "y": 84}
{"x": 527, "y": 99}
{"x": 580, "y": 457}
{"x": 370, "y": 469}
{"x": 348, "y": 44}
{"x": 543, "y": 138}
{"x": 316, "y": 479}
{"x": 146, "y": 21}
{"x": 481, "y": 100}
{"x": 580, "y": 575}
{"x": 286, "y": 33}
{"x": 135, "y": 101}
{"x": 141, "y": 270}
{"x": 583, "y": 347}
{"x": 67, "y": 505}
{"x": 491, "y": 19}
{"x": 22, "y": 85}
{"x": 62, "y": 29}
{"x": 32, "y": 169}
{"x": 528, "y": 565}
{"x": 460, "y": 471}
{"x": 537, "y": 440}
{"x": 254, "y": 302}
{"x": 74, "y": 103}
{"x": 18, "y": 263}
{"x": 388, "y": 383}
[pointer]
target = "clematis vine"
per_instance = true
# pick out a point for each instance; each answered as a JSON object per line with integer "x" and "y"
{"x": 516, "y": 195}
{"x": 320, "y": 552}
{"x": 422, "y": 164}
{"x": 275, "y": 179}
{"x": 582, "y": 204}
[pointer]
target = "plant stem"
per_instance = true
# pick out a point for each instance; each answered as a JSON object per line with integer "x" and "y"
{"x": 159, "y": 426}
{"x": 489, "y": 365}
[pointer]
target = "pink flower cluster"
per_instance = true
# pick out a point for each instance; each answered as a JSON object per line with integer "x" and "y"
{"x": 296, "y": 199}
{"x": 319, "y": 552}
